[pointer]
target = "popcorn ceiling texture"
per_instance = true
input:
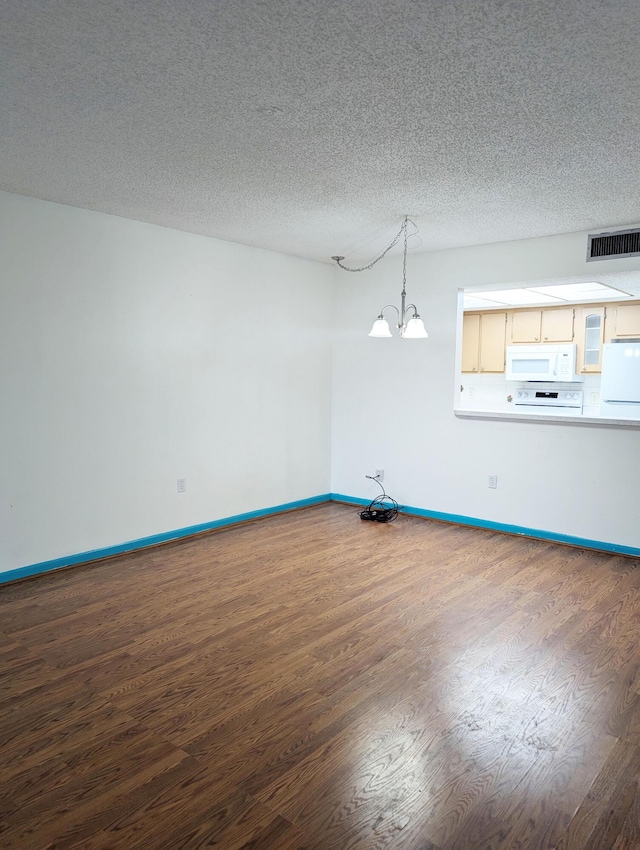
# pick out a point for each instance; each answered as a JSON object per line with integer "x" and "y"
{"x": 312, "y": 127}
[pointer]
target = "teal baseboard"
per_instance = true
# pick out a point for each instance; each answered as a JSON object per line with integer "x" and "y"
{"x": 189, "y": 531}
{"x": 521, "y": 530}
{"x": 154, "y": 540}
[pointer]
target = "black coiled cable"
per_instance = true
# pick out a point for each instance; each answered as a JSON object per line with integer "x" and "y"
{"x": 383, "y": 508}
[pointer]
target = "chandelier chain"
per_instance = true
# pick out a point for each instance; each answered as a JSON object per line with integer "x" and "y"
{"x": 394, "y": 241}
{"x": 404, "y": 257}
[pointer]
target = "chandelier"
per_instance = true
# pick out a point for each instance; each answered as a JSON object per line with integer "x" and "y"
{"x": 409, "y": 324}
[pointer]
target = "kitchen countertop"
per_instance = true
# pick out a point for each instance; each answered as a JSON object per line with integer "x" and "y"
{"x": 562, "y": 418}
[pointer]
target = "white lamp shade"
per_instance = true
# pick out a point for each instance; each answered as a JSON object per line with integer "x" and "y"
{"x": 380, "y": 328}
{"x": 415, "y": 329}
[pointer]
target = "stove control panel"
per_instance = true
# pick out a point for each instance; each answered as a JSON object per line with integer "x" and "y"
{"x": 571, "y": 399}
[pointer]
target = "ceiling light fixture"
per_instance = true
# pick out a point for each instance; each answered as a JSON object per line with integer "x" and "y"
{"x": 544, "y": 293}
{"x": 410, "y": 326}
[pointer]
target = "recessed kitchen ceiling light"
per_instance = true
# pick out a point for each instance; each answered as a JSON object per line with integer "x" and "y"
{"x": 587, "y": 291}
{"x": 515, "y": 297}
{"x": 533, "y": 296}
{"x": 473, "y": 303}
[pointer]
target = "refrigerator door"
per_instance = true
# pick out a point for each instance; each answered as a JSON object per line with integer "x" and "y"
{"x": 620, "y": 384}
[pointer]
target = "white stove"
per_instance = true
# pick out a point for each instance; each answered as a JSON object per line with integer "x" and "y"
{"x": 549, "y": 401}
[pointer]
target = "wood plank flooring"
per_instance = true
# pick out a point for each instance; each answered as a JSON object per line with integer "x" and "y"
{"x": 315, "y": 681}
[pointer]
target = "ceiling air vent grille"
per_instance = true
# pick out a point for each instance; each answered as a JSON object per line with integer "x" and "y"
{"x": 621, "y": 243}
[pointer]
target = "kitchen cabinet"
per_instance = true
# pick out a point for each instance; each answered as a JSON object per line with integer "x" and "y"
{"x": 483, "y": 342}
{"x": 542, "y": 325}
{"x": 589, "y": 326}
{"x": 557, "y": 325}
{"x": 589, "y": 323}
{"x": 626, "y": 319}
{"x": 525, "y": 325}
{"x": 470, "y": 342}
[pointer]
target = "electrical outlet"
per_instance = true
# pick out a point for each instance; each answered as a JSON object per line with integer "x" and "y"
{"x": 595, "y": 397}
{"x": 380, "y": 475}
{"x": 471, "y": 392}
{"x": 182, "y": 485}
{"x": 493, "y": 482}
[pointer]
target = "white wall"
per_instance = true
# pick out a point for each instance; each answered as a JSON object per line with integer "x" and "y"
{"x": 393, "y": 406}
{"x": 131, "y": 355}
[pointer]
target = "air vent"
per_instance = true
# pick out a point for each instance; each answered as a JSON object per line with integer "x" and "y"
{"x": 620, "y": 243}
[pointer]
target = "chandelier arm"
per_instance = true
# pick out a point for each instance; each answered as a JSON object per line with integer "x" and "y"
{"x": 393, "y": 307}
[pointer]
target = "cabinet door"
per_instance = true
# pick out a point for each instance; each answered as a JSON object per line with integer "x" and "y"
{"x": 589, "y": 337}
{"x": 525, "y": 326}
{"x": 493, "y": 329}
{"x": 557, "y": 325}
{"x": 470, "y": 342}
{"x": 627, "y": 321}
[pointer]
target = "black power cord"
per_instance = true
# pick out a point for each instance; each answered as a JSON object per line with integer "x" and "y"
{"x": 383, "y": 508}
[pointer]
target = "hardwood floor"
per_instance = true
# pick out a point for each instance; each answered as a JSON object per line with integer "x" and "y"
{"x": 314, "y": 681}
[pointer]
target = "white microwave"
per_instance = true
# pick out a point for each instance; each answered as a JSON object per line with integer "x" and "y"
{"x": 543, "y": 362}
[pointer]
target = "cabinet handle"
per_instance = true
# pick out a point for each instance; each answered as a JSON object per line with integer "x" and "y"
{"x": 536, "y": 338}
{"x": 546, "y": 337}
{"x": 482, "y": 368}
{"x": 475, "y": 368}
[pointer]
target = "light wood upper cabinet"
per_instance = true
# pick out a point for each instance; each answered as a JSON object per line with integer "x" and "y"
{"x": 493, "y": 329}
{"x": 525, "y": 326}
{"x": 544, "y": 325}
{"x": 485, "y": 334}
{"x": 557, "y": 325}
{"x": 470, "y": 342}
{"x": 589, "y": 337}
{"x": 626, "y": 319}
{"x": 483, "y": 342}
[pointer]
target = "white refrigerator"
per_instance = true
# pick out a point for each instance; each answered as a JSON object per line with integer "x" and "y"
{"x": 620, "y": 384}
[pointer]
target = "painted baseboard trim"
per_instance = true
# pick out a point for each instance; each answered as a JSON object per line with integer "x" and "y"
{"x": 523, "y": 531}
{"x": 155, "y": 539}
{"x": 189, "y": 531}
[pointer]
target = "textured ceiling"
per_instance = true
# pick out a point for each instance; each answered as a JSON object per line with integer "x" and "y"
{"x": 312, "y": 127}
